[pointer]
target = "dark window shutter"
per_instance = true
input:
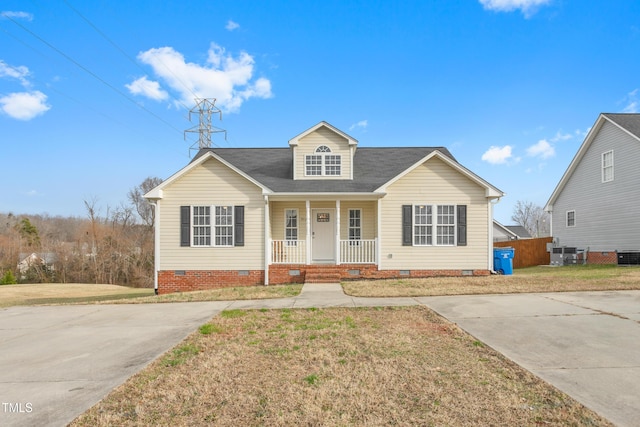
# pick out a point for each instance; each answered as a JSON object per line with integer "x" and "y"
{"x": 185, "y": 226}
{"x": 407, "y": 221}
{"x": 238, "y": 227}
{"x": 462, "y": 225}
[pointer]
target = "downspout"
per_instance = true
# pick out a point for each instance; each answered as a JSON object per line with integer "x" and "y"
{"x": 490, "y": 245}
{"x": 156, "y": 244}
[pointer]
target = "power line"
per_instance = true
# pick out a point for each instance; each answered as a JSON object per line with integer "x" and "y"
{"x": 103, "y": 35}
{"x": 91, "y": 73}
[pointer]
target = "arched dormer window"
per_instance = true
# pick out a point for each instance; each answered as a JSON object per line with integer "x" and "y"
{"x": 322, "y": 162}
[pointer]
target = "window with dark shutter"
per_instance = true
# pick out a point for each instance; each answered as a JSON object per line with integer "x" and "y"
{"x": 462, "y": 225}
{"x": 407, "y": 225}
{"x": 185, "y": 226}
{"x": 238, "y": 225}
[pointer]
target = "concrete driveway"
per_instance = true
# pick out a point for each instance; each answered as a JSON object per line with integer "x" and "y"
{"x": 55, "y": 362}
{"x": 586, "y": 344}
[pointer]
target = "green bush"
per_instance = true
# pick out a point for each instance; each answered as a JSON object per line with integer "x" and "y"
{"x": 8, "y": 278}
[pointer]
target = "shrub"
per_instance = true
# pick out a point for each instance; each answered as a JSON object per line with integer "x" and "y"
{"x": 8, "y": 278}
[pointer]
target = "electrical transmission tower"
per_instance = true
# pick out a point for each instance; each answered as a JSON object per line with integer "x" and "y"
{"x": 205, "y": 107}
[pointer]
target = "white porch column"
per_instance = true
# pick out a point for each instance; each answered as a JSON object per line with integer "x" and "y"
{"x": 379, "y": 234}
{"x": 308, "y": 206}
{"x": 156, "y": 244}
{"x": 337, "y": 245}
{"x": 267, "y": 240}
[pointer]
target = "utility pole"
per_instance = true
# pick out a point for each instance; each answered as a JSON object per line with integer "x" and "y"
{"x": 205, "y": 107}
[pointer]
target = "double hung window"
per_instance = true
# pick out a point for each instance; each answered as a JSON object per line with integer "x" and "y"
{"x": 355, "y": 224}
{"x": 424, "y": 223}
{"x": 291, "y": 226}
{"x": 607, "y": 166}
{"x": 323, "y": 163}
{"x": 203, "y": 226}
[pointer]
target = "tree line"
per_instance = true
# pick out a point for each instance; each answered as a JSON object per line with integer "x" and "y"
{"x": 113, "y": 245}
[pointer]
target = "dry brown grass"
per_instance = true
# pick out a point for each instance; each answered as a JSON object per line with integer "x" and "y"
{"x": 535, "y": 279}
{"x": 61, "y": 293}
{"x": 223, "y": 294}
{"x": 373, "y": 366}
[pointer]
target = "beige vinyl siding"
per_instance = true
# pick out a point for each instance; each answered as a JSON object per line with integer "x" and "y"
{"x": 212, "y": 183}
{"x": 276, "y": 211}
{"x": 368, "y": 218}
{"x": 323, "y": 136}
{"x": 368, "y": 208}
{"x": 436, "y": 183}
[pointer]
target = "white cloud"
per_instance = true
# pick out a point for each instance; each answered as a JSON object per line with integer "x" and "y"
{"x": 497, "y": 155}
{"x": 528, "y": 7}
{"x": 232, "y": 25}
{"x": 20, "y": 72}
{"x": 148, "y": 88}
{"x": 223, "y": 76}
{"x": 561, "y": 137}
{"x": 17, "y": 15}
{"x": 361, "y": 124}
{"x": 24, "y": 105}
{"x": 632, "y": 102}
{"x": 541, "y": 149}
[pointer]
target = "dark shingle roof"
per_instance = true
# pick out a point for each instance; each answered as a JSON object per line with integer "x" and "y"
{"x": 630, "y": 122}
{"x": 373, "y": 167}
{"x": 518, "y": 230}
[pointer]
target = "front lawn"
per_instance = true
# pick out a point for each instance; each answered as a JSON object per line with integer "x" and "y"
{"x": 533, "y": 279}
{"x": 336, "y": 366}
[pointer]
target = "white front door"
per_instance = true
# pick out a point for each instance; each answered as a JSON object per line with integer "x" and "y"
{"x": 323, "y": 235}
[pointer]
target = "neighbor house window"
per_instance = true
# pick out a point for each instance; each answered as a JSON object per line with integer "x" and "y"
{"x": 323, "y": 163}
{"x": 355, "y": 224}
{"x": 291, "y": 225}
{"x": 607, "y": 166}
{"x": 201, "y": 224}
{"x": 571, "y": 218}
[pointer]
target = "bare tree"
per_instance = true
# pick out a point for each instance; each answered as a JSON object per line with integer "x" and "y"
{"x": 142, "y": 206}
{"x": 532, "y": 217}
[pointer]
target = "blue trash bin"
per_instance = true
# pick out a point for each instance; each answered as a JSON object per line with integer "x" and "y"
{"x": 503, "y": 260}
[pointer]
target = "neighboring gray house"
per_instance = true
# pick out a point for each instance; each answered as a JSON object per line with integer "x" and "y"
{"x": 596, "y": 204}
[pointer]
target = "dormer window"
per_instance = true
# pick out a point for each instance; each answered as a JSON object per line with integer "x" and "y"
{"x": 323, "y": 163}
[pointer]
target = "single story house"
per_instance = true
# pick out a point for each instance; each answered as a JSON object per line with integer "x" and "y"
{"x": 322, "y": 209}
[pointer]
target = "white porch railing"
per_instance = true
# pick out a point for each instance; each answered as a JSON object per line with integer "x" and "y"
{"x": 289, "y": 251}
{"x": 351, "y": 251}
{"x": 358, "y": 251}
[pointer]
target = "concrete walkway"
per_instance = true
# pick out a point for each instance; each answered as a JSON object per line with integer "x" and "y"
{"x": 58, "y": 361}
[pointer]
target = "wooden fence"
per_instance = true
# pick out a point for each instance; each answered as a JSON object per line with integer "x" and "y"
{"x": 528, "y": 252}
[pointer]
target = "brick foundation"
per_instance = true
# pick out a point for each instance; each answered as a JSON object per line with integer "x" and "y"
{"x": 170, "y": 281}
{"x": 199, "y": 280}
{"x": 280, "y": 273}
{"x": 602, "y": 257}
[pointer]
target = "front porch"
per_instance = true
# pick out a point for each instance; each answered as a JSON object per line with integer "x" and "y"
{"x": 316, "y": 235}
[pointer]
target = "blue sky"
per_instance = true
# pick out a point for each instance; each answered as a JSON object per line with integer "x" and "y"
{"x": 94, "y": 95}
